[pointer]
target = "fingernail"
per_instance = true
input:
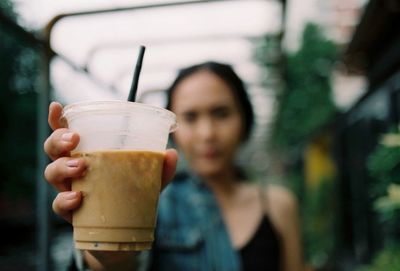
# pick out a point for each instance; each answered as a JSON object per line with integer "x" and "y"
{"x": 72, "y": 163}
{"x": 67, "y": 136}
{"x": 71, "y": 195}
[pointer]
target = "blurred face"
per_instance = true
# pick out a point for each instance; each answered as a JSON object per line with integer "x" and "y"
{"x": 210, "y": 123}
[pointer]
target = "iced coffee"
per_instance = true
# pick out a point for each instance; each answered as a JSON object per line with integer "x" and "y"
{"x": 120, "y": 195}
{"x": 123, "y": 144}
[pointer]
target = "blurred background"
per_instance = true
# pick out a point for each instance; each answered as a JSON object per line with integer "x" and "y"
{"x": 324, "y": 78}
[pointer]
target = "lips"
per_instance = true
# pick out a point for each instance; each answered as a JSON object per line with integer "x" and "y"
{"x": 209, "y": 154}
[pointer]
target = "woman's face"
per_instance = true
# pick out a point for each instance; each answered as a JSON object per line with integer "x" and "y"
{"x": 210, "y": 123}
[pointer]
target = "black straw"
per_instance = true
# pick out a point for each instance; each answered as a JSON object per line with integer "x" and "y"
{"x": 135, "y": 80}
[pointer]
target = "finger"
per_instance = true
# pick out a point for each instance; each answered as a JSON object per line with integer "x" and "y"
{"x": 60, "y": 143}
{"x": 65, "y": 203}
{"x": 169, "y": 166}
{"x": 55, "y": 116}
{"x": 60, "y": 172}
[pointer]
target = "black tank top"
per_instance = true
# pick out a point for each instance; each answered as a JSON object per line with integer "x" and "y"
{"x": 262, "y": 252}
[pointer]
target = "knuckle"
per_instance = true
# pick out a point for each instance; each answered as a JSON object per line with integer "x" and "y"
{"x": 50, "y": 147}
{"x": 56, "y": 205}
{"x": 53, "y": 146}
{"x": 54, "y": 172}
{"x": 47, "y": 146}
{"x": 47, "y": 172}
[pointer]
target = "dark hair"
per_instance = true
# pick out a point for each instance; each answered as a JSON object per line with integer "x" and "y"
{"x": 227, "y": 74}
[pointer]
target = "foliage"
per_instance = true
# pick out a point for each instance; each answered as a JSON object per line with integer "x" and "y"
{"x": 389, "y": 209}
{"x": 390, "y": 202}
{"x": 319, "y": 224}
{"x": 388, "y": 259}
{"x": 319, "y": 229}
{"x": 384, "y": 165}
{"x": 305, "y": 105}
{"x": 18, "y": 73}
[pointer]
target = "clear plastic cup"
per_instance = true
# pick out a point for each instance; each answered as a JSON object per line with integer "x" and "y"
{"x": 123, "y": 144}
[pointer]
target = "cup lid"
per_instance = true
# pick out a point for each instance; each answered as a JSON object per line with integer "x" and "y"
{"x": 75, "y": 109}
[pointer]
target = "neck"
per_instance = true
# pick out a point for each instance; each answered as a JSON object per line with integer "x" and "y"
{"x": 223, "y": 183}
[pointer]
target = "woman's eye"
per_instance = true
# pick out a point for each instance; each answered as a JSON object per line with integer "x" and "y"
{"x": 189, "y": 117}
{"x": 221, "y": 113}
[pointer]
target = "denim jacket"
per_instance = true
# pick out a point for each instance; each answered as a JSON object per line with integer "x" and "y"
{"x": 190, "y": 233}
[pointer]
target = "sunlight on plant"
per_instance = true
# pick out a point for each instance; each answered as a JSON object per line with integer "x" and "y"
{"x": 391, "y": 201}
{"x": 391, "y": 140}
{"x": 384, "y": 167}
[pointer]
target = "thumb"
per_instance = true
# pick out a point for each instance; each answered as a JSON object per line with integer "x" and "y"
{"x": 169, "y": 167}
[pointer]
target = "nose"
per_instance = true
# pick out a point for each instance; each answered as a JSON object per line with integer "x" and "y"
{"x": 206, "y": 129}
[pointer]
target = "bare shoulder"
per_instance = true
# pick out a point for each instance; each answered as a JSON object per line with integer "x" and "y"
{"x": 280, "y": 198}
{"x": 282, "y": 206}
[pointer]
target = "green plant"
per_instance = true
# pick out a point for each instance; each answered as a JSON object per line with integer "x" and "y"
{"x": 386, "y": 260}
{"x": 384, "y": 166}
{"x": 384, "y": 163}
{"x": 305, "y": 104}
{"x": 389, "y": 208}
{"x": 318, "y": 224}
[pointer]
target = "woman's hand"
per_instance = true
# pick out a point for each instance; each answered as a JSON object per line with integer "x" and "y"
{"x": 63, "y": 168}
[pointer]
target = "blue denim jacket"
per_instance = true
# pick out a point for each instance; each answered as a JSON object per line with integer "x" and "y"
{"x": 190, "y": 233}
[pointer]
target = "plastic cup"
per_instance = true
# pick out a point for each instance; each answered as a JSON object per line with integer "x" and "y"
{"x": 123, "y": 144}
